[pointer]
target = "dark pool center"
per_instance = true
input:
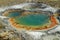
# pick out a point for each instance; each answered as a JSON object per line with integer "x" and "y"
{"x": 31, "y": 19}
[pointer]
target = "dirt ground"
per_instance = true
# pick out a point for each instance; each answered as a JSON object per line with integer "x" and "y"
{"x": 55, "y": 3}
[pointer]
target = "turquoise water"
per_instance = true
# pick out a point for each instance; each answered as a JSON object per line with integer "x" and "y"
{"x": 14, "y": 14}
{"x": 33, "y": 19}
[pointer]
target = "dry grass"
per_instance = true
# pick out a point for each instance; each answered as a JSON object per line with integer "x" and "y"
{"x": 10, "y": 2}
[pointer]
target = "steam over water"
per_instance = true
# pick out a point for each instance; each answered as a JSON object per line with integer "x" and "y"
{"x": 34, "y": 35}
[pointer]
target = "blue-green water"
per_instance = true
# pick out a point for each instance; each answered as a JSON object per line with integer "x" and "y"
{"x": 33, "y": 19}
{"x": 14, "y": 14}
